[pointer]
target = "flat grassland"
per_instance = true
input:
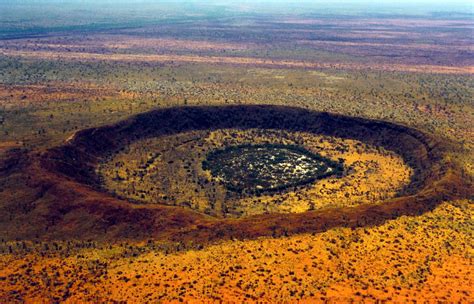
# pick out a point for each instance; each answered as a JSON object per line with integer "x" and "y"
{"x": 58, "y": 79}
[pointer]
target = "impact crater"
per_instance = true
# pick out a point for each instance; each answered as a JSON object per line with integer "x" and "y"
{"x": 151, "y": 163}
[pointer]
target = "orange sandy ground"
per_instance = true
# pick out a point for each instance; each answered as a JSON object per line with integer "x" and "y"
{"x": 424, "y": 258}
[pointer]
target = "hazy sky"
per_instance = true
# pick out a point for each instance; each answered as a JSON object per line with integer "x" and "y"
{"x": 428, "y": 3}
{"x": 72, "y": 11}
{"x": 306, "y": 2}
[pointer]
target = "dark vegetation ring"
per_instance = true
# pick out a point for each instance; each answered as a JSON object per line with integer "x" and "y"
{"x": 69, "y": 171}
{"x": 237, "y": 177}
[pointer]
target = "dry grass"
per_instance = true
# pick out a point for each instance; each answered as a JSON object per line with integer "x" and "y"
{"x": 424, "y": 258}
{"x": 53, "y": 87}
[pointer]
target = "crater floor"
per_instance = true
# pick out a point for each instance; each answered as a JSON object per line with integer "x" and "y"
{"x": 242, "y": 166}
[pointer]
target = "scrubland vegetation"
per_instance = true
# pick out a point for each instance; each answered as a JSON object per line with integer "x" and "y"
{"x": 411, "y": 258}
{"x": 116, "y": 213}
{"x": 53, "y": 110}
{"x": 254, "y": 169}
